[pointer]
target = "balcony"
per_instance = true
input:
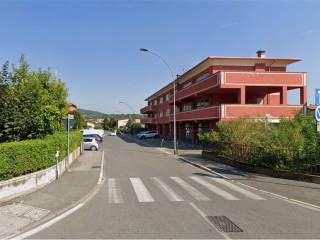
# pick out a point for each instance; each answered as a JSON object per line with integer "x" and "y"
{"x": 147, "y": 109}
{"x": 229, "y": 111}
{"x": 212, "y": 112}
{"x": 148, "y": 121}
{"x": 263, "y": 79}
{"x": 198, "y": 87}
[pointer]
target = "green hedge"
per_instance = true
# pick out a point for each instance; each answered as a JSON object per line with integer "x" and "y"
{"x": 19, "y": 158}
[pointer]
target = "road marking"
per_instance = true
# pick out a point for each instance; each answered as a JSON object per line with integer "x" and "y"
{"x": 101, "y": 169}
{"x": 204, "y": 216}
{"x": 190, "y": 189}
{"x": 141, "y": 191}
{"x": 170, "y": 194}
{"x": 214, "y": 189}
{"x": 115, "y": 195}
{"x": 237, "y": 189}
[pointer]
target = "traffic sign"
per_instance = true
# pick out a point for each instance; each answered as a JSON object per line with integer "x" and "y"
{"x": 317, "y": 114}
{"x": 317, "y": 96}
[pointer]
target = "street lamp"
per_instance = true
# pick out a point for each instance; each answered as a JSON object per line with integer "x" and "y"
{"x": 174, "y": 96}
{"x": 129, "y": 106}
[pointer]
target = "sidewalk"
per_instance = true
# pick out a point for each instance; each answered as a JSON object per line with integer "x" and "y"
{"x": 30, "y": 210}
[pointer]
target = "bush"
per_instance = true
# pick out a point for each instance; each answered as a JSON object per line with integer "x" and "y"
{"x": 292, "y": 145}
{"x": 19, "y": 158}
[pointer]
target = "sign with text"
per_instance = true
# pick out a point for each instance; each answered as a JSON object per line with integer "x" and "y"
{"x": 317, "y": 96}
{"x": 317, "y": 114}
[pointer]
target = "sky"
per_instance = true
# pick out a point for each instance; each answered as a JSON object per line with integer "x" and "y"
{"x": 93, "y": 46}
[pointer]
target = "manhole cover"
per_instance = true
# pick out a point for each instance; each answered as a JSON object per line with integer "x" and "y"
{"x": 224, "y": 224}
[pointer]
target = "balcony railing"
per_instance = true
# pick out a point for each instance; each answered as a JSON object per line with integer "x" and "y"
{"x": 148, "y": 120}
{"x": 147, "y": 109}
{"x": 212, "y": 112}
{"x": 263, "y": 78}
{"x": 197, "y": 87}
{"x": 229, "y": 111}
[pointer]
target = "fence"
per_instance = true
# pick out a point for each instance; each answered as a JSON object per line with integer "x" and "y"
{"x": 295, "y": 161}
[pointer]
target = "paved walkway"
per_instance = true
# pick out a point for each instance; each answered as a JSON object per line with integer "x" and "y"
{"x": 27, "y": 211}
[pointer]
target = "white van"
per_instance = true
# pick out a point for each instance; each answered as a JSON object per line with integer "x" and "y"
{"x": 100, "y": 132}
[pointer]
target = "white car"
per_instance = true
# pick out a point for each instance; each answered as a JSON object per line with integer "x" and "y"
{"x": 114, "y": 133}
{"x": 90, "y": 144}
{"x": 148, "y": 134}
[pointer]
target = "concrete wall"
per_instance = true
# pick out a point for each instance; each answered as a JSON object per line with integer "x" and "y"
{"x": 30, "y": 182}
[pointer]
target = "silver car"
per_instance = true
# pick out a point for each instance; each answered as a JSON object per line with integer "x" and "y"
{"x": 90, "y": 144}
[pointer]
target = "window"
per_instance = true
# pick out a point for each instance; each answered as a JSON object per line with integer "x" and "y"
{"x": 168, "y": 97}
{"x": 161, "y": 114}
{"x": 155, "y": 102}
{"x": 187, "y": 107}
{"x": 187, "y": 85}
{"x": 168, "y": 112}
{"x": 202, "y": 77}
{"x": 203, "y": 103}
{"x": 259, "y": 100}
{"x": 161, "y": 100}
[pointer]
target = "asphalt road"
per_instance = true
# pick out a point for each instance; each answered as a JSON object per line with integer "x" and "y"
{"x": 149, "y": 194}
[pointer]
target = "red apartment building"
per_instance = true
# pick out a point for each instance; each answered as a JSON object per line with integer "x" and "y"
{"x": 223, "y": 88}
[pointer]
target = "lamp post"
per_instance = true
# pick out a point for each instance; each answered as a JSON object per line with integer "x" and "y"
{"x": 129, "y": 106}
{"x": 174, "y": 96}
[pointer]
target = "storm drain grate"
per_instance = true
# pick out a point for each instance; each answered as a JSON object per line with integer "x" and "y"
{"x": 95, "y": 166}
{"x": 224, "y": 224}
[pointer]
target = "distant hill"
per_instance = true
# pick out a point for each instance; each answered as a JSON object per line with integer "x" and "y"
{"x": 90, "y": 114}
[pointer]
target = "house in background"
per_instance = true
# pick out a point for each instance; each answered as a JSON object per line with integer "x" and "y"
{"x": 223, "y": 88}
{"x": 72, "y": 108}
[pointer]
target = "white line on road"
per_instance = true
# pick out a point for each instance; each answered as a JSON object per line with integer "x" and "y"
{"x": 214, "y": 189}
{"x": 101, "y": 169}
{"x": 170, "y": 194}
{"x": 190, "y": 189}
{"x": 141, "y": 191}
{"x": 115, "y": 195}
{"x": 237, "y": 189}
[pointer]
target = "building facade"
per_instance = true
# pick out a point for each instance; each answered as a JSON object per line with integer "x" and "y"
{"x": 224, "y": 88}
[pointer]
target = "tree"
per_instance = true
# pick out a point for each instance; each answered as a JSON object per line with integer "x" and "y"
{"x": 80, "y": 120}
{"x": 109, "y": 123}
{"x": 34, "y": 102}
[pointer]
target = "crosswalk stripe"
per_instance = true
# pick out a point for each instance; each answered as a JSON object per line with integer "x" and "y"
{"x": 141, "y": 191}
{"x": 170, "y": 194}
{"x": 114, "y": 191}
{"x": 190, "y": 189}
{"x": 214, "y": 189}
{"x": 238, "y": 189}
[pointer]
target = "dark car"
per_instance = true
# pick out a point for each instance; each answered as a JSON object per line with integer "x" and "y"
{"x": 95, "y": 136}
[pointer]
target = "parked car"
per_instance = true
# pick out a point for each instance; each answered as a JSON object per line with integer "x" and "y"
{"x": 98, "y": 138}
{"x": 148, "y": 134}
{"x": 90, "y": 144}
{"x": 114, "y": 133}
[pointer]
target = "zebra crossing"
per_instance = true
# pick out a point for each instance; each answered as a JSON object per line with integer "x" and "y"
{"x": 166, "y": 187}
